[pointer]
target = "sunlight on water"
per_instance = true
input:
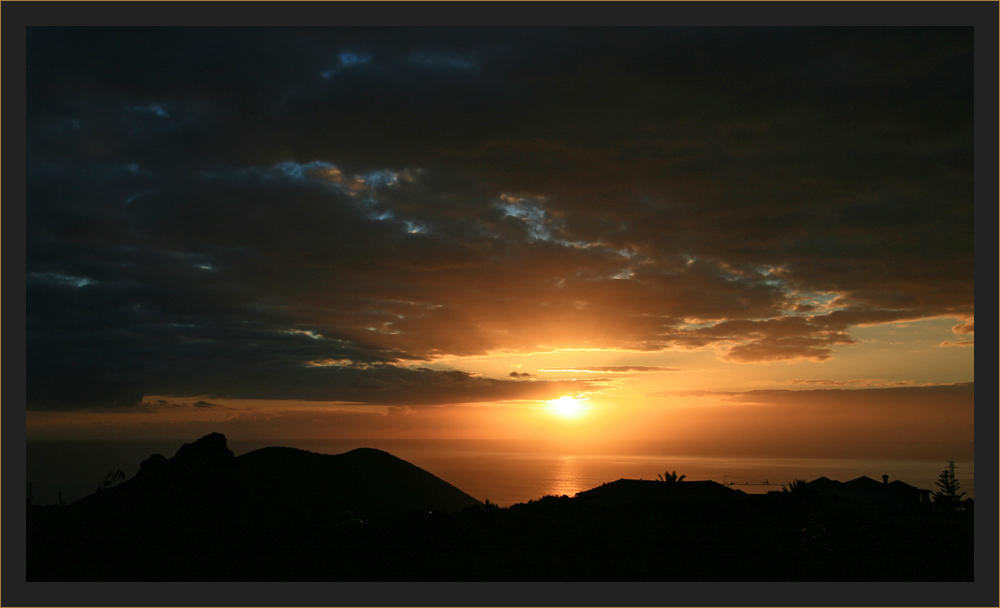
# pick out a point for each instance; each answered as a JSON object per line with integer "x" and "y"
{"x": 566, "y": 478}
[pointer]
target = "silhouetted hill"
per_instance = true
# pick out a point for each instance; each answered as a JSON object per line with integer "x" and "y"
{"x": 205, "y": 513}
{"x": 282, "y": 514}
{"x": 205, "y": 479}
{"x": 365, "y": 481}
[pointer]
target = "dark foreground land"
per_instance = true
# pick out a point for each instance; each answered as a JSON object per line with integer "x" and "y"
{"x": 281, "y": 514}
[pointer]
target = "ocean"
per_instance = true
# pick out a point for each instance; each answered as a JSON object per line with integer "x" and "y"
{"x": 503, "y": 472}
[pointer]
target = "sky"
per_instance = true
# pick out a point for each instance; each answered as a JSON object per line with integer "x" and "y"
{"x": 753, "y": 240}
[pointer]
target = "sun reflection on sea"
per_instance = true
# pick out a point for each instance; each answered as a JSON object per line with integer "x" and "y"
{"x": 568, "y": 478}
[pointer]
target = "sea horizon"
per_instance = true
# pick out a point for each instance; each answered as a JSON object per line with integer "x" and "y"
{"x": 504, "y": 472}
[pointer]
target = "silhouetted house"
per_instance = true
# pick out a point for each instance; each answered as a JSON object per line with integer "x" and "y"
{"x": 824, "y": 485}
{"x": 864, "y": 489}
{"x": 626, "y": 492}
{"x": 904, "y": 492}
{"x": 867, "y": 490}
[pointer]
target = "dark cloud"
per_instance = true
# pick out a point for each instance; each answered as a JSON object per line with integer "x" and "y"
{"x": 304, "y": 213}
{"x": 861, "y": 382}
{"x": 163, "y": 404}
{"x": 615, "y": 369}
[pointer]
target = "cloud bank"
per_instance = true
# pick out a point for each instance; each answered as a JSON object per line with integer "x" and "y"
{"x": 326, "y": 223}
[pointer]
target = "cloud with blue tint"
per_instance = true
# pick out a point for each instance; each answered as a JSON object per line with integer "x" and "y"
{"x": 443, "y": 193}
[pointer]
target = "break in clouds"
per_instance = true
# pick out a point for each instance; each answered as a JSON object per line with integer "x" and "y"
{"x": 321, "y": 213}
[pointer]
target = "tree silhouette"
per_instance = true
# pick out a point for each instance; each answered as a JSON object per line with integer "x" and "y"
{"x": 671, "y": 477}
{"x": 114, "y": 478}
{"x": 948, "y": 496}
{"x": 796, "y": 486}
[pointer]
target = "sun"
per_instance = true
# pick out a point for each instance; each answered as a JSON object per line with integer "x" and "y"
{"x": 567, "y": 407}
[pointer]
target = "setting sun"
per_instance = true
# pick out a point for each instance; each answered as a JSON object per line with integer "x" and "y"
{"x": 567, "y": 407}
{"x": 430, "y": 304}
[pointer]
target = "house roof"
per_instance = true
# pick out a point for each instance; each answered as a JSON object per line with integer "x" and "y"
{"x": 625, "y": 491}
{"x": 899, "y": 485}
{"x": 823, "y": 482}
{"x": 866, "y": 489}
{"x": 863, "y": 483}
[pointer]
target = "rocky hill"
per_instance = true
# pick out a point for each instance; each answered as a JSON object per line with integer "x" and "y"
{"x": 204, "y": 501}
{"x": 205, "y": 479}
{"x": 281, "y": 514}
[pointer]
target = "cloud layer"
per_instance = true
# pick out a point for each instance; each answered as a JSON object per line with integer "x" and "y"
{"x": 321, "y": 213}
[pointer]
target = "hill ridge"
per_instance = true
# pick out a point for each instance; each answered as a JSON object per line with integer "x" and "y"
{"x": 206, "y": 475}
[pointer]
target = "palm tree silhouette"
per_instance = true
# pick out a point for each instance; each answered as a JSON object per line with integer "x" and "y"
{"x": 796, "y": 485}
{"x": 671, "y": 477}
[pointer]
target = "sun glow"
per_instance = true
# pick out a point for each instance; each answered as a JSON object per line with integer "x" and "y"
{"x": 567, "y": 407}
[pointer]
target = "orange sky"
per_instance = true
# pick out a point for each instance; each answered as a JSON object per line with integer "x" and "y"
{"x": 436, "y": 233}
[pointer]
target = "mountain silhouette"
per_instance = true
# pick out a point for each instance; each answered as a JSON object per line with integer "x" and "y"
{"x": 283, "y": 514}
{"x": 206, "y": 480}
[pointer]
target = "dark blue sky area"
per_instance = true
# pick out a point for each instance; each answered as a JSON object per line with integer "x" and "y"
{"x": 314, "y": 213}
